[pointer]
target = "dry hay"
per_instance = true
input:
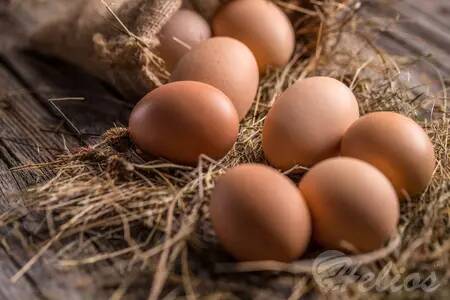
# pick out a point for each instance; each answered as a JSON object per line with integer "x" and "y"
{"x": 151, "y": 217}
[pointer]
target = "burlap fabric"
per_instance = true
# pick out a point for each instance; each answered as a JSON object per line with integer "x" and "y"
{"x": 112, "y": 39}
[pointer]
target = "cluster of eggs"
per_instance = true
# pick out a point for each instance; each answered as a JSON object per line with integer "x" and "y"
{"x": 359, "y": 167}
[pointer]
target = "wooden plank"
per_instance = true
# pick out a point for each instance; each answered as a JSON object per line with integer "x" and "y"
{"x": 435, "y": 10}
{"x": 10, "y": 183}
{"x": 22, "y": 290}
{"x": 51, "y": 78}
{"x": 48, "y": 78}
{"x": 412, "y": 33}
{"x": 27, "y": 129}
{"x": 47, "y": 282}
{"x": 428, "y": 34}
{"x": 93, "y": 112}
{"x": 24, "y": 138}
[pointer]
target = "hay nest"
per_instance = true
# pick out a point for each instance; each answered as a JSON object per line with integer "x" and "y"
{"x": 150, "y": 217}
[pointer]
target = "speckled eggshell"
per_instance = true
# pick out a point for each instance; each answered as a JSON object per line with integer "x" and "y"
{"x": 307, "y": 122}
{"x": 226, "y": 64}
{"x": 353, "y": 205}
{"x": 259, "y": 214}
{"x": 397, "y": 146}
{"x": 182, "y": 120}
{"x": 184, "y": 30}
{"x": 262, "y": 26}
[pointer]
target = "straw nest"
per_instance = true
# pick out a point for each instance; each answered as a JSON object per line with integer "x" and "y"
{"x": 150, "y": 218}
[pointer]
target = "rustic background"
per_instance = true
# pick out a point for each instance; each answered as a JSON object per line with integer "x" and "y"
{"x": 36, "y": 124}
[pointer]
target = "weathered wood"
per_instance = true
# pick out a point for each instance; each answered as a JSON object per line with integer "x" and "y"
{"x": 26, "y": 136}
{"x": 411, "y": 31}
{"x": 50, "y": 78}
{"x": 9, "y": 183}
{"x": 47, "y": 282}
{"x": 437, "y": 11}
{"x": 94, "y": 110}
{"x": 23, "y": 290}
{"x": 31, "y": 132}
{"x": 27, "y": 128}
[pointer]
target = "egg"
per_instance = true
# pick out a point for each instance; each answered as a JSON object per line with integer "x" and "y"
{"x": 259, "y": 214}
{"x": 307, "y": 122}
{"x": 180, "y": 121}
{"x": 262, "y": 26}
{"x": 226, "y": 64}
{"x": 184, "y": 30}
{"x": 353, "y": 205}
{"x": 397, "y": 146}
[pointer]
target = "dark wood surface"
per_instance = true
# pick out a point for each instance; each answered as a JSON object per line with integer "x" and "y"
{"x": 34, "y": 129}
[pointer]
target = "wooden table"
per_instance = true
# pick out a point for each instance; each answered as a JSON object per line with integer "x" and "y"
{"x": 34, "y": 129}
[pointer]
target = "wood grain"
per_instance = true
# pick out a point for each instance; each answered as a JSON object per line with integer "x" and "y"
{"x": 49, "y": 78}
{"x": 25, "y": 289}
{"x": 415, "y": 28}
{"x": 26, "y": 137}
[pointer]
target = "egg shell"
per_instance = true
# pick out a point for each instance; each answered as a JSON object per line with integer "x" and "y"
{"x": 184, "y": 30}
{"x": 262, "y": 26}
{"x": 351, "y": 204}
{"x": 226, "y": 64}
{"x": 307, "y": 122}
{"x": 259, "y": 214}
{"x": 397, "y": 146}
{"x": 182, "y": 120}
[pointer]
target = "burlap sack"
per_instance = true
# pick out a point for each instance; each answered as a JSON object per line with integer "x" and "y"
{"x": 111, "y": 39}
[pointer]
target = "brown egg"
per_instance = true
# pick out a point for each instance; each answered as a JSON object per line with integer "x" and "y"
{"x": 183, "y": 31}
{"x": 307, "y": 122}
{"x": 259, "y": 214}
{"x": 397, "y": 146}
{"x": 262, "y": 26}
{"x": 226, "y": 64}
{"x": 182, "y": 120}
{"x": 353, "y": 205}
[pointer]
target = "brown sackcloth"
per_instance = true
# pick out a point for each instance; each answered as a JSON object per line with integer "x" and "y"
{"x": 113, "y": 42}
